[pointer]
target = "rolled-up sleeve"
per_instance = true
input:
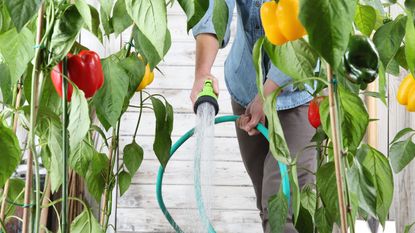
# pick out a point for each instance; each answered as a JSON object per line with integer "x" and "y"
{"x": 277, "y": 76}
{"x": 205, "y": 25}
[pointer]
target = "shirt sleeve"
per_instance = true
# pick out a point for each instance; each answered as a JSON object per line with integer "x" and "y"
{"x": 277, "y": 76}
{"x": 205, "y": 25}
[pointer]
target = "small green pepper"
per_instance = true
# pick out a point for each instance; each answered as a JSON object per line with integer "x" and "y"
{"x": 361, "y": 61}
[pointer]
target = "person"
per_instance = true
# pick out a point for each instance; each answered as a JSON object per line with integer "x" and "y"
{"x": 240, "y": 78}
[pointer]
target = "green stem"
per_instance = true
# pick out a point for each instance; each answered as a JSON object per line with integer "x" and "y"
{"x": 139, "y": 116}
{"x": 65, "y": 147}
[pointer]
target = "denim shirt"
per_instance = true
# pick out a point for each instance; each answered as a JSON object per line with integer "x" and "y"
{"x": 240, "y": 75}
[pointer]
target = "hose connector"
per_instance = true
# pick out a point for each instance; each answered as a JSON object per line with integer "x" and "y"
{"x": 207, "y": 95}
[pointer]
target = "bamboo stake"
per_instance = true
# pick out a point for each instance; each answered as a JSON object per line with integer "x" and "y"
{"x": 334, "y": 122}
{"x": 372, "y": 133}
{"x": 15, "y": 120}
{"x": 45, "y": 202}
{"x": 33, "y": 111}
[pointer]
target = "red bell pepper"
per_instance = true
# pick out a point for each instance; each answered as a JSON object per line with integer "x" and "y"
{"x": 84, "y": 69}
{"x": 314, "y": 111}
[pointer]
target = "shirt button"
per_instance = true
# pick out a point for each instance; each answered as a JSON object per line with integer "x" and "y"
{"x": 257, "y": 4}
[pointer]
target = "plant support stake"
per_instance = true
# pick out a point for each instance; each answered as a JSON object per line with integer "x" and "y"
{"x": 32, "y": 149}
{"x": 65, "y": 150}
{"x": 334, "y": 124}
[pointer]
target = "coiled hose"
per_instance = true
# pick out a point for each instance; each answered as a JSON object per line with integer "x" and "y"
{"x": 261, "y": 128}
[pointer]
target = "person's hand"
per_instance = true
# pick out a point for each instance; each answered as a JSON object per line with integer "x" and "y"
{"x": 254, "y": 114}
{"x": 198, "y": 86}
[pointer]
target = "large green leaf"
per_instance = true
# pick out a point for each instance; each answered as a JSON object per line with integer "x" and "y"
{"x": 329, "y": 24}
{"x": 305, "y": 223}
{"x": 120, "y": 20}
{"x": 278, "y": 212}
{"x": 164, "y": 127}
{"x": 85, "y": 12}
{"x": 79, "y": 121}
{"x": 133, "y": 157}
{"x": 352, "y": 114}
{"x": 365, "y": 19}
{"x": 257, "y": 58}
{"x": 135, "y": 69}
{"x": 296, "y": 58}
{"x": 9, "y": 153}
{"x": 6, "y": 86}
{"x": 410, "y": 42}
{"x": 195, "y": 10}
{"x": 124, "y": 179}
{"x": 110, "y": 98}
{"x": 309, "y": 199}
{"x": 220, "y": 18}
{"x": 327, "y": 187}
{"x": 95, "y": 23}
{"x": 55, "y": 147}
{"x": 401, "y": 153}
{"x": 17, "y": 50}
{"x": 96, "y": 175}
{"x": 5, "y": 20}
{"x": 388, "y": 39}
{"x": 21, "y": 11}
{"x": 81, "y": 157}
{"x": 295, "y": 192}
{"x": 378, "y": 167}
{"x": 323, "y": 220}
{"x": 85, "y": 223}
{"x": 65, "y": 32}
{"x": 151, "y": 19}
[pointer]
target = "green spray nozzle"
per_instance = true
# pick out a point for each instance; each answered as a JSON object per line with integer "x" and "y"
{"x": 207, "y": 95}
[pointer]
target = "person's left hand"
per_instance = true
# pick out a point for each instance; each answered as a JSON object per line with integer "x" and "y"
{"x": 254, "y": 114}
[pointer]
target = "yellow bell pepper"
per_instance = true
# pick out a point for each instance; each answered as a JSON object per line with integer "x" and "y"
{"x": 280, "y": 21}
{"x": 406, "y": 93}
{"x": 148, "y": 77}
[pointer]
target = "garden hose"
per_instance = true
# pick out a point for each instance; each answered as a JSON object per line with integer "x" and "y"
{"x": 261, "y": 128}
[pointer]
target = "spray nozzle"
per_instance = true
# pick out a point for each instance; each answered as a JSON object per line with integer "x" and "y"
{"x": 207, "y": 95}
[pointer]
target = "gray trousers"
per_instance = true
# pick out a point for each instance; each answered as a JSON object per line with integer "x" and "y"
{"x": 262, "y": 167}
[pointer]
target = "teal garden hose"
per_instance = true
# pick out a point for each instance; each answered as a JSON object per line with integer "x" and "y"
{"x": 261, "y": 128}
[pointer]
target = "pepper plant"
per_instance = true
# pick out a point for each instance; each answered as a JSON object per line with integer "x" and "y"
{"x": 349, "y": 44}
{"x": 52, "y": 87}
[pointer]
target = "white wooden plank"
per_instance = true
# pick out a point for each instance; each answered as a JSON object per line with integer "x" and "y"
{"x": 181, "y": 173}
{"x": 182, "y": 123}
{"x": 140, "y": 220}
{"x": 225, "y": 149}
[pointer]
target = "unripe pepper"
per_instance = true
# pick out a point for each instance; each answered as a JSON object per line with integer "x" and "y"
{"x": 361, "y": 61}
{"x": 148, "y": 77}
{"x": 314, "y": 112}
{"x": 84, "y": 69}
{"x": 406, "y": 93}
{"x": 280, "y": 21}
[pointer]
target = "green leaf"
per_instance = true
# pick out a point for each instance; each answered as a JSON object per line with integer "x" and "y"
{"x": 305, "y": 223}
{"x": 195, "y": 10}
{"x": 329, "y": 24}
{"x": 15, "y": 195}
{"x": 9, "y": 153}
{"x": 365, "y": 19}
{"x": 309, "y": 199}
{"x": 400, "y": 57}
{"x": 295, "y": 192}
{"x": 295, "y": 59}
{"x": 6, "y": 86}
{"x": 106, "y": 21}
{"x": 79, "y": 120}
{"x": 95, "y": 23}
{"x": 135, "y": 69}
{"x": 401, "y": 154}
{"x": 401, "y": 134}
{"x": 410, "y": 5}
{"x": 81, "y": 157}
{"x": 388, "y": 39}
{"x": 257, "y": 58}
{"x": 278, "y": 144}
{"x": 85, "y": 12}
{"x": 5, "y": 20}
{"x": 352, "y": 112}
{"x": 408, "y": 227}
{"x": 85, "y": 223}
{"x": 133, "y": 157}
{"x": 410, "y": 42}
{"x": 382, "y": 84}
{"x": 21, "y": 11}
{"x": 151, "y": 19}
{"x": 220, "y": 19}
{"x": 278, "y": 212}
{"x": 17, "y": 50}
{"x": 125, "y": 181}
{"x": 120, "y": 20}
{"x": 55, "y": 148}
{"x": 164, "y": 127}
{"x": 96, "y": 175}
{"x": 109, "y": 98}
{"x": 327, "y": 187}
{"x": 324, "y": 223}
{"x": 378, "y": 167}
{"x": 65, "y": 32}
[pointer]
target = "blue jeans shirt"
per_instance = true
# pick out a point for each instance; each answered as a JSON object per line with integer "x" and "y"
{"x": 240, "y": 73}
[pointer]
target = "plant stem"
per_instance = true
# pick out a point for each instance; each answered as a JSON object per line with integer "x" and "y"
{"x": 33, "y": 113}
{"x": 139, "y": 116}
{"x": 65, "y": 146}
{"x": 335, "y": 130}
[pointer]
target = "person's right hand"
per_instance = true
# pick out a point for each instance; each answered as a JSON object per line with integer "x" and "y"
{"x": 198, "y": 86}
